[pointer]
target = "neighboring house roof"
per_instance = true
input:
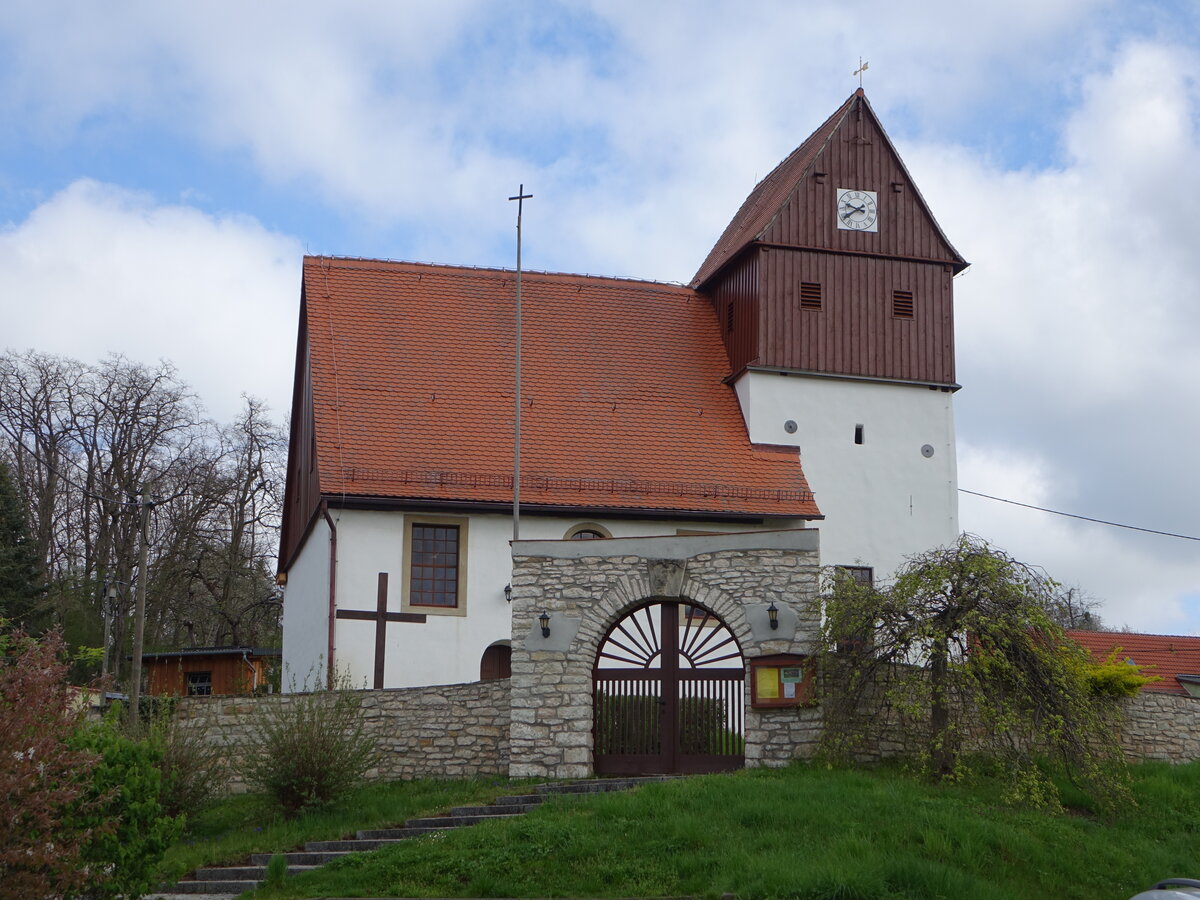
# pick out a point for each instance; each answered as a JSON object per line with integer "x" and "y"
{"x": 625, "y": 406}
{"x": 212, "y": 651}
{"x": 1171, "y": 657}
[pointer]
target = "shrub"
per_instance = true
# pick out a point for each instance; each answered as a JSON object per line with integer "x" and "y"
{"x": 190, "y": 767}
{"x": 308, "y": 750}
{"x": 128, "y": 830}
{"x": 42, "y": 777}
{"x": 1116, "y": 678}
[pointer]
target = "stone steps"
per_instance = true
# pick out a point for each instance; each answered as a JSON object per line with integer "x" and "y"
{"x": 231, "y": 880}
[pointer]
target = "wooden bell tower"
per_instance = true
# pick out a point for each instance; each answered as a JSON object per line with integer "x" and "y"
{"x": 834, "y": 264}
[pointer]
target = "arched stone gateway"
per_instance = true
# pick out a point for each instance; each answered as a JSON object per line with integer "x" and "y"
{"x": 572, "y": 599}
{"x": 667, "y": 693}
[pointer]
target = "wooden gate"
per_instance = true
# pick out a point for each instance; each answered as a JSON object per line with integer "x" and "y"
{"x": 668, "y": 689}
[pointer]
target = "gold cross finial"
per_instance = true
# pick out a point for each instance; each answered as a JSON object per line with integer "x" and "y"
{"x": 862, "y": 67}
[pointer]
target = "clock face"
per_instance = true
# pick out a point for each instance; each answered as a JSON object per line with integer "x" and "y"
{"x": 857, "y": 210}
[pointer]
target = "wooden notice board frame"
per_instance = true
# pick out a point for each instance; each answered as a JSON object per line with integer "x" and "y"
{"x": 782, "y": 680}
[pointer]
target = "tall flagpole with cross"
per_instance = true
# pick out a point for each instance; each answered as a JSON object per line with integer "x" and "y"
{"x": 521, "y": 197}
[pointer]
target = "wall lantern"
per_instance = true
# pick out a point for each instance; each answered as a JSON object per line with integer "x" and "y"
{"x": 508, "y": 593}
{"x": 544, "y": 621}
{"x": 773, "y": 615}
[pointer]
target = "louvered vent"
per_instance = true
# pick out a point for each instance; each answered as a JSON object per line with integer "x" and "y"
{"x": 902, "y": 304}
{"x": 810, "y": 295}
{"x": 729, "y": 317}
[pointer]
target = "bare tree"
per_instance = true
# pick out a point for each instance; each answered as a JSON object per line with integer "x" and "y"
{"x": 83, "y": 441}
{"x": 1072, "y": 608}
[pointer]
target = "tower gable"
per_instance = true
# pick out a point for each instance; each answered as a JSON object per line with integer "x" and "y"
{"x": 858, "y": 155}
{"x": 796, "y": 204}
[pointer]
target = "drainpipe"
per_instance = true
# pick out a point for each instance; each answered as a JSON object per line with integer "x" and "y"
{"x": 332, "y": 589}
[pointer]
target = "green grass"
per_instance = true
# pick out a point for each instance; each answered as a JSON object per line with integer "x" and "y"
{"x": 799, "y": 832}
{"x": 230, "y": 829}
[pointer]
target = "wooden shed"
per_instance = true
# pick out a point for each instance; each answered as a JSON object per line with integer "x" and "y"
{"x": 202, "y": 671}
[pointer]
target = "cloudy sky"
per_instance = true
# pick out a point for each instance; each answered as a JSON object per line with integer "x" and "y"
{"x": 165, "y": 165}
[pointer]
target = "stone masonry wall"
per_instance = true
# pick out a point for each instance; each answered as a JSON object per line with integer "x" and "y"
{"x": 444, "y": 731}
{"x": 585, "y": 593}
{"x": 463, "y": 730}
{"x": 1161, "y": 726}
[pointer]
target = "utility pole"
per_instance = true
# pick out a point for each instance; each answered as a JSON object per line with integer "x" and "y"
{"x": 108, "y": 607}
{"x": 139, "y": 615}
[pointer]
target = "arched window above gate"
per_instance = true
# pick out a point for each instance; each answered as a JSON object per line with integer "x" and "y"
{"x": 589, "y": 531}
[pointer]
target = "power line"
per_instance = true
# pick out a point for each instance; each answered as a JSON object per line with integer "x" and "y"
{"x": 1186, "y": 537}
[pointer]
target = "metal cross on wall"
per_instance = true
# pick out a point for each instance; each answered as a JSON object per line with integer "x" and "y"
{"x": 380, "y": 616}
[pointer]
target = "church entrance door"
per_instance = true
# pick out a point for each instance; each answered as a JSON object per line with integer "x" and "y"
{"x": 668, "y": 694}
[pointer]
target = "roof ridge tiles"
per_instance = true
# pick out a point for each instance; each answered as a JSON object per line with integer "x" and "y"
{"x": 1132, "y": 634}
{"x": 347, "y": 261}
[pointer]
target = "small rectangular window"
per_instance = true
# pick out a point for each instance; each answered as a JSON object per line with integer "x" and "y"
{"x": 199, "y": 684}
{"x": 858, "y": 434}
{"x": 810, "y": 295}
{"x": 861, "y": 574}
{"x": 857, "y": 644}
{"x": 902, "y": 304}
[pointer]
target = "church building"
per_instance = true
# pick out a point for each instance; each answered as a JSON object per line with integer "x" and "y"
{"x": 803, "y": 379}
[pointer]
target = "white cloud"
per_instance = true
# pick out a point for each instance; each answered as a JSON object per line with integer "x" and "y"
{"x": 1079, "y": 339}
{"x": 418, "y": 113}
{"x": 97, "y": 269}
{"x": 1138, "y": 584}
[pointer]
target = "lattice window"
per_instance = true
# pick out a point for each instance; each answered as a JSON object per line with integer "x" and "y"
{"x": 902, "y": 304}
{"x": 861, "y": 574}
{"x": 433, "y": 575}
{"x": 199, "y": 684}
{"x": 810, "y": 295}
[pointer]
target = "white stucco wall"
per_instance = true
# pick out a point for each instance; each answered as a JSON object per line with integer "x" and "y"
{"x": 882, "y": 499}
{"x": 306, "y": 613}
{"x": 446, "y": 649}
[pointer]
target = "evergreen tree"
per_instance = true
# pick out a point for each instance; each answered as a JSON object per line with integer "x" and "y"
{"x": 21, "y": 586}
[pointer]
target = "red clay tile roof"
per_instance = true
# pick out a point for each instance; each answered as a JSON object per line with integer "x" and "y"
{"x": 1168, "y": 654}
{"x": 622, "y": 382}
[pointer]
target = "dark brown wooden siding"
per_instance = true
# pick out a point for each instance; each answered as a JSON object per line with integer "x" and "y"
{"x": 735, "y": 298}
{"x": 859, "y": 156}
{"x": 303, "y": 494}
{"x": 855, "y": 332}
{"x": 230, "y": 674}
